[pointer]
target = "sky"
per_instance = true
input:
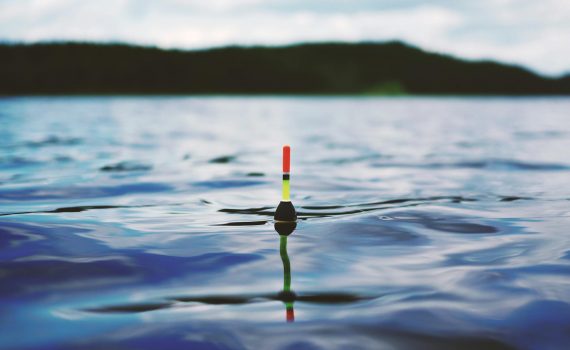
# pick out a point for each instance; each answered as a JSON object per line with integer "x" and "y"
{"x": 531, "y": 33}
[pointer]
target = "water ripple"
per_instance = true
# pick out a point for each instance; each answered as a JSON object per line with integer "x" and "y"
{"x": 314, "y": 298}
{"x": 66, "y": 193}
{"x": 126, "y": 166}
{"x": 490, "y": 164}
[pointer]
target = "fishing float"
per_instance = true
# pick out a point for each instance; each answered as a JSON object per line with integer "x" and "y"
{"x": 285, "y": 223}
{"x": 285, "y": 210}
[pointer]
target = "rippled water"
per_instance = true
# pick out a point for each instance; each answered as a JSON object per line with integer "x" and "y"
{"x": 146, "y": 222}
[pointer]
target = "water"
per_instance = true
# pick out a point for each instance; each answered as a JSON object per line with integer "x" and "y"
{"x": 146, "y": 222}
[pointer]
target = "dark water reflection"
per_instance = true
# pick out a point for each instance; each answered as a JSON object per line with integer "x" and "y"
{"x": 146, "y": 223}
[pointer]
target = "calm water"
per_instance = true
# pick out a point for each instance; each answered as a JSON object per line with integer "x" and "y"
{"x": 146, "y": 222}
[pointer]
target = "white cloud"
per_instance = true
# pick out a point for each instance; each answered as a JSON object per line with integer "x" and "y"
{"x": 530, "y": 33}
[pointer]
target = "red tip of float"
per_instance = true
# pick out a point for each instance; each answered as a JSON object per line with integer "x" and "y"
{"x": 290, "y": 315}
{"x": 286, "y": 158}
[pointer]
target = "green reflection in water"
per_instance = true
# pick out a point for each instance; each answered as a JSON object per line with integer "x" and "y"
{"x": 287, "y": 295}
{"x": 286, "y": 264}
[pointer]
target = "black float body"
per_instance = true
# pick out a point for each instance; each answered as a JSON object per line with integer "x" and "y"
{"x": 285, "y": 228}
{"x": 285, "y": 212}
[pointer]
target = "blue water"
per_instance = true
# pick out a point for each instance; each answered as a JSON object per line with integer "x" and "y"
{"x": 146, "y": 222}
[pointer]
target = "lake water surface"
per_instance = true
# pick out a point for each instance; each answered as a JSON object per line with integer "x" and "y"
{"x": 146, "y": 222}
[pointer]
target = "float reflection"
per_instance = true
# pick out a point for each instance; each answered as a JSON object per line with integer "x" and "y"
{"x": 284, "y": 229}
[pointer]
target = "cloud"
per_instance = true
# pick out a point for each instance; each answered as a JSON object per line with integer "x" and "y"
{"x": 526, "y": 32}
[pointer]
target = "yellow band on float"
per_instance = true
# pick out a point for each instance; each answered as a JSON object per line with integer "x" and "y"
{"x": 286, "y": 192}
